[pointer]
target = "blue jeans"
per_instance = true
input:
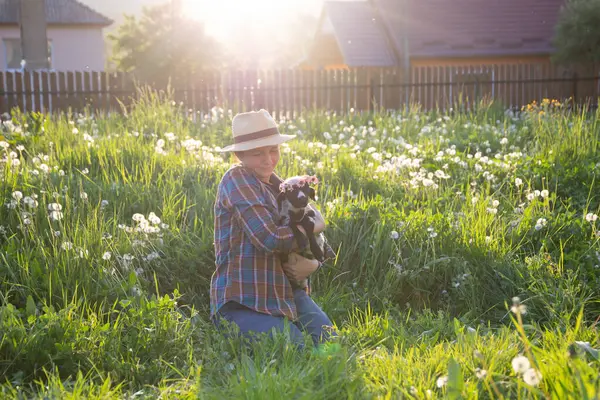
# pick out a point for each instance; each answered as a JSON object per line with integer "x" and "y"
{"x": 311, "y": 319}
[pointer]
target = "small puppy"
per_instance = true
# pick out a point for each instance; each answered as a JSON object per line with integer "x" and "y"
{"x": 292, "y": 203}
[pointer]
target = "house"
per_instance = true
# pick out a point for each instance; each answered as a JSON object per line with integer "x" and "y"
{"x": 385, "y": 33}
{"x": 74, "y": 31}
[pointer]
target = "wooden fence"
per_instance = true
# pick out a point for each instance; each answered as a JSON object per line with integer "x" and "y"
{"x": 290, "y": 91}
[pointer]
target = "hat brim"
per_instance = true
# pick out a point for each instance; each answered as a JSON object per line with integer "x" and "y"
{"x": 254, "y": 144}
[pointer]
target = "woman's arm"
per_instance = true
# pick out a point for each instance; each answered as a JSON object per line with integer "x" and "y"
{"x": 248, "y": 205}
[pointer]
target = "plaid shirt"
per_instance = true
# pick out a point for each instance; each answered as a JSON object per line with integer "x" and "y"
{"x": 248, "y": 246}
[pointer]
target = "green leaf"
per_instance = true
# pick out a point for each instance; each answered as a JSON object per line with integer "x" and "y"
{"x": 31, "y": 309}
{"x": 455, "y": 380}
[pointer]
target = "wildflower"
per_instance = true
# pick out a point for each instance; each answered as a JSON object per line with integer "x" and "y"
{"x": 85, "y": 171}
{"x": 107, "y": 255}
{"x": 56, "y": 233}
{"x": 136, "y": 291}
{"x": 137, "y": 217}
{"x": 30, "y": 202}
{"x": 81, "y": 253}
{"x": 504, "y": 140}
{"x": 541, "y": 222}
{"x": 590, "y": 217}
{"x": 153, "y": 219}
{"x": 480, "y": 373}
{"x": 54, "y": 207}
{"x": 152, "y": 256}
{"x": 532, "y": 377}
{"x": 530, "y": 196}
{"x": 520, "y": 364}
{"x": 17, "y": 195}
{"x": 518, "y": 182}
{"x": 442, "y": 381}
{"x": 495, "y": 203}
{"x": 432, "y": 232}
{"x": 517, "y": 307}
{"x": 75, "y": 131}
{"x": 67, "y": 246}
{"x": 544, "y": 193}
{"x": 394, "y": 235}
{"x": 16, "y": 162}
{"x": 493, "y": 211}
{"x": 103, "y": 203}
{"x": 83, "y": 195}
{"x": 4, "y": 145}
{"x": 56, "y": 215}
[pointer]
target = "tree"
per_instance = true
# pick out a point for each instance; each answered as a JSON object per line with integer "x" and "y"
{"x": 577, "y": 34}
{"x": 163, "y": 44}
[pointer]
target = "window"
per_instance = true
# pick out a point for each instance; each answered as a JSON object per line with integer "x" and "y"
{"x": 14, "y": 53}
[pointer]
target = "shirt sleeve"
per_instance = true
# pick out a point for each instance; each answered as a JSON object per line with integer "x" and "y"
{"x": 257, "y": 221}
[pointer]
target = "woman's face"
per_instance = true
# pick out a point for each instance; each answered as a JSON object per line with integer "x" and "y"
{"x": 262, "y": 160}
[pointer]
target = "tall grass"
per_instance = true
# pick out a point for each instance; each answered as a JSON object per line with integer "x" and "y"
{"x": 438, "y": 221}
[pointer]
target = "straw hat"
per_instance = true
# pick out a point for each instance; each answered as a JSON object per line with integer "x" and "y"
{"x": 255, "y": 129}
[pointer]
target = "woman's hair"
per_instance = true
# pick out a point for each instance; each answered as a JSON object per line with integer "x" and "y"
{"x": 235, "y": 157}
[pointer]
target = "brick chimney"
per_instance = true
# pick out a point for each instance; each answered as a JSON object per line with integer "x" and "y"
{"x": 34, "y": 41}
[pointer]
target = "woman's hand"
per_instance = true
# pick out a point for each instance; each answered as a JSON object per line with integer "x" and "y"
{"x": 319, "y": 220}
{"x": 299, "y": 268}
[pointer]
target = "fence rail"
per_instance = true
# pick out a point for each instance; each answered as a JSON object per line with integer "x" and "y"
{"x": 291, "y": 91}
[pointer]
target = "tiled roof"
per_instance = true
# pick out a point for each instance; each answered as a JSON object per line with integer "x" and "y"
{"x": 59, "y": 12}
{"x": 441, "y": 28}
{"x": 462, "y": 28}
{"x": 360, "y": 34}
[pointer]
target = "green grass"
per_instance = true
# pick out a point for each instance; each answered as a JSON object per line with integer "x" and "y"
{"x": 438, "y": 220}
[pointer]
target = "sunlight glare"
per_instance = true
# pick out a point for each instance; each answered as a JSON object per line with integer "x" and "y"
{"x": 225, "y": 19}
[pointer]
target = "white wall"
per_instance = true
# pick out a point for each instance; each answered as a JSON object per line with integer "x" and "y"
{"x": 73, "y": 48}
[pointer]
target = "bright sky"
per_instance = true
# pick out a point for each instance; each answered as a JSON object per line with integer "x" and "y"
{"x": 227, "y": 20}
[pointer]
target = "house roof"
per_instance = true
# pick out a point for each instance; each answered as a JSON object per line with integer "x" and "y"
{"x": 360, "y": 34}
{"x": 444, "y": 28}
{"x": 58, "y": 12}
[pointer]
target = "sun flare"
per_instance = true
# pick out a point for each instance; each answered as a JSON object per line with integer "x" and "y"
{"x": 225, "y": 19}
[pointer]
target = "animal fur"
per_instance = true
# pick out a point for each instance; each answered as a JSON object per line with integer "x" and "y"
{"x": 292, "y": 201}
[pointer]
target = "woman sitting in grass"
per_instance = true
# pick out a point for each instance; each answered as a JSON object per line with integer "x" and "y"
{"x": 250, "y": 286}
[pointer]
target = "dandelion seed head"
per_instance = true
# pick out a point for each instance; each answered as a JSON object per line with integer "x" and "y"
{"x": 442, "y": 381}
{"x": 520, "y": 364}
{"x": 532, "y": 377}
{"x": 591, "y": 217}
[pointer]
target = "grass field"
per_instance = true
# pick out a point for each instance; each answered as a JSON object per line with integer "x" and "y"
{"x": 439, "y": 222}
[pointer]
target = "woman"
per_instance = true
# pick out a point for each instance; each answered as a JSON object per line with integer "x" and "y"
{"x": 250, "y": 287}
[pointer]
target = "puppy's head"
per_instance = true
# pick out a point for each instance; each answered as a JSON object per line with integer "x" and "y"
{"x": 297, "y": 191}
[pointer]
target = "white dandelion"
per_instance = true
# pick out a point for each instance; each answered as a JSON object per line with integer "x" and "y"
{"x": 520, "y": 364}
{"x": 394, "y": 235}
{"x": 67, "y": 246}
{"x": 518, "y": 182}
{"x": 17, "y": 195}
{"x": 153, "y": 219}
{"x": 591, "y": 217}
{"x": 56, "y": 215}
{"x": 107, "y": 255}
{"x": 442, "y": 381}
{"x": 532, "y": 377}
{"x": 480, "y": 373}
{"x": 137, "y": 217}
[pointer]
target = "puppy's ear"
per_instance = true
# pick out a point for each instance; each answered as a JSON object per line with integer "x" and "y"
{"x": 311, "y": 193}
